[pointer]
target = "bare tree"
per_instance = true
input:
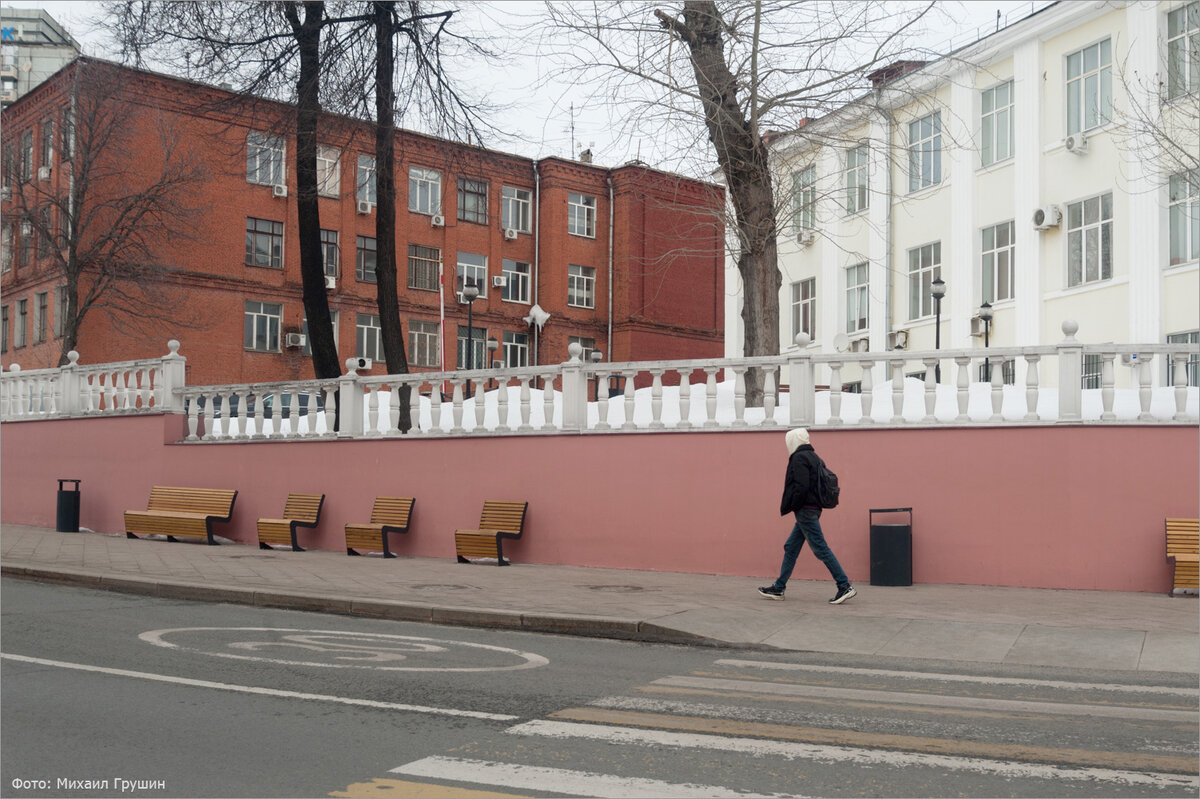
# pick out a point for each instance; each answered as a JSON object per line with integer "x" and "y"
{"x": 110, "y": 219}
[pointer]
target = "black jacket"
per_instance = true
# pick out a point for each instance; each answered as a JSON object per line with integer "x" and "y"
{"x": 799, "y": 481}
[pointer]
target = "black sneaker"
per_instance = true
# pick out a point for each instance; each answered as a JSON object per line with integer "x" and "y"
{"x": 842, "y": 595}
{"x": 771, "y": 592}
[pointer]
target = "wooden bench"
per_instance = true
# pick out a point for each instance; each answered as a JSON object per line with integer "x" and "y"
{"x": 300, "y": 510}
{"x": 499, "y": 520}
{"x": 1183, "y": 546}
{"x": 389, "y": 515}
{"x": 187, "y": 512}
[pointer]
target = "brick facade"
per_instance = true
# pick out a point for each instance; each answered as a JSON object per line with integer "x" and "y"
{"x": 665, "y": 261}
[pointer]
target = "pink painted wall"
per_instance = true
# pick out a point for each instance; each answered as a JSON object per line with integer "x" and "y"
{"x": 1053, "y": 507}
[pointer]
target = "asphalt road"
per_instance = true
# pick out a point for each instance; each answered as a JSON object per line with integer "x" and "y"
{"x": 106, "y": 694}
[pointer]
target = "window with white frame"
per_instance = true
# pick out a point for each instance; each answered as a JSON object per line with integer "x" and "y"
{"x": 1184, "y": 215}
{"x": 333, "y": 321}
{"x": 472, "y": 200}
{"x": 368, "y": 341}
{"x": 22, "y": 322}
{"x": 4, "y": 328}
{"x": 423, "y": 266}
{"x": 473, "y": 267}
{"x": 516, "y": 281}
{"x": 924, "y": 267}
{"x": 581, "y": 215}
{"x": 996, "y": 124}
{"x": 423, "y": 343}
{"x": 804, "y": 308}
{"x": 1089, "y": 240}
{"x": 330, "y": 253}
{"x": 329, "y": 171}
{"x": 516, "y": 209}
{"x": 804, "y": 199}
{"x": 516, "y": 349}
{"x": 998, "y": 248}
{"x": 1183, "y": 50}
{"x": 367, "y": 191}
{"x": 478, "y": 348}
{"x": 41, "y": 310}
{"x": 925, "y": 151}
{"x": 47, "y": 142}
{"x": 61, "y": 308}
{"x": 264, "y": 243}
{"x": 1089, "y": 87}
{"x": 262, "y": 323}
{"x": 364, "y": 262}
{"x": 424, "y": 190}
{"x": 856, "y": 179}
{"x": 857, "y": 297}
{"x": 581, "y": 286}
{"x": 1191, "y": 367}
{"x": 264, "y": 159}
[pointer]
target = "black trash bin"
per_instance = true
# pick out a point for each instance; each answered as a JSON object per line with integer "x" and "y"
{"x": 891, "y": 549}
{"x": 68, "y": 507}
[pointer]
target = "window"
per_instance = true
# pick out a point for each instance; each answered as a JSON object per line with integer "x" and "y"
{"x": 424, "y": 263}
{"x": 581, "y": 215}
{"x": 330, "y": 253}
{"x": 857, "y": 296}
{"x": 4, "y": 328}
{"x": 25, "y": 252}
{"x": 925, "y": 151}
{"x": 998, "y": 246}
{"x": 996, "y": 128}
{"x": 47, "y": 142}
{"x": 1191, "y": 369}
{"x": 263, "y": 320}
{"x": 472, "y": 200}
{"x": 1183, "y": 50}
{"x": 804, "y": 308}
{"x": 44, "y": 244}
{"x": 588, "y": 345}
{"x": 424, "y": 190}
{"x": 41, "y": 308}
{"x": 581, "y": 286}
{"x": 8, "y": 168}
{"x": 804, "y": 199}
{"x": 264, "y": 159}
{"x": 924, "y": 267}
{"x": 26, "y": 155}
{"x": 423, "y": 343}
{"x": 1089, "y": 240}
{"x": 1089, "y": 87}
{"x": 1093, "y": 372}
{"x": 367, "y": 189}
{"x": 474, "y": 268}
{"x": 329, "y": 171}
{"x": 368, "y": 342}
{"x": 6, "y": 247}
{"x": 856, "y": 179}
{"x": 306, "y": 350}
{"x": 1184, "y": 215}
{"x": 264, "y": 243}
{"x": 478, "y": 356}
{"x": 516, "y": 350}
{"x": 22, "y": 306}
{"x": 364, "y": 263}
{"x": 61, "y": 308}
{"x": 516, "y": 281}
{"x": 68, "y": 133}
{"x": 516, "y": 209}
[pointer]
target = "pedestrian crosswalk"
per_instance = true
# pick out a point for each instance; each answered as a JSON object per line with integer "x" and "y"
{"x": 745, "y": 727}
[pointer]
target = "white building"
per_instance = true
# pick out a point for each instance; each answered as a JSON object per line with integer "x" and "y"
{"x": 33, "y": 46}
{"x": 1026, "y": 170}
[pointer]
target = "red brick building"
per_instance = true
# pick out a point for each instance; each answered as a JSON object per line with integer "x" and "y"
{"x": 627, "y": 260}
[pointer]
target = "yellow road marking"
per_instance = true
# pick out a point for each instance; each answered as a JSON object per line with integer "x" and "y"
{"x": 403, "y": 789}
{"x": 1035, "y": 754}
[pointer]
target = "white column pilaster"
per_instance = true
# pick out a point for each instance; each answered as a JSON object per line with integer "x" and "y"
{"x": 1027, "y": 194}
{"x": 958, "y": 253}
{"x": 1145, "y": 232}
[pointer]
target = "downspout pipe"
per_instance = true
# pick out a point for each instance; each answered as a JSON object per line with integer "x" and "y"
{"x": 537, "y": 248}
{"x": 611, "y": 225}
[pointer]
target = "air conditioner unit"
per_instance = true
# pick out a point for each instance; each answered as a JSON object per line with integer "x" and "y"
{"x": 805, "y": 237}
{"x": 1077, "y": 144}
{"x": 294, "y": 340}
{"x": 437, "y": 220}
{"x": 1046, "y": 217}
{"x": 510, "y": 233}
{"x": 1130, "y": 359}
{"x": 43, "y": 173}
{"x": 897, "y": 339}
{"x": 499, "y": 281}
{"x": 364, "y": 363}
{"x": 860, "y": 345}
{"x": 330, "y": 282}
{"x": 279, "y": 190}
{"x": 364, "y": 207}
{"x": 977, "y": 326}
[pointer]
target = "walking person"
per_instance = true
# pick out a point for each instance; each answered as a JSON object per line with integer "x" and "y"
{"x": 799, "y": 498}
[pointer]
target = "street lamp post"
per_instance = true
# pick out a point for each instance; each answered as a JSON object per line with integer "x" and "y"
{"x": 938, "y": 290}
{"x": 492, "y": 346}
{"x": 596, "y": 357}
{"x": 470, "y": 293}
{"x": 985, "y": 313}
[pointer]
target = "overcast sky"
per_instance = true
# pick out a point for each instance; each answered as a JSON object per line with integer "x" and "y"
{"x": 539, "y": 120}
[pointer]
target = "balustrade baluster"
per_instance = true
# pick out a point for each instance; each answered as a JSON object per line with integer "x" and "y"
{"x": 473, "y": 405}
{"x": 310, "y": 414}
{"x": 193, "y": 419}
{"x": 435, "y": 407}
{"x": 372, "y": 430}
{"x": 835, "y": 392}
{"x": 710, "y": 396}
{"x": 629, "y": 422}
{"x": 548, "y": 401}
{"x": 259, "y": 415}
{"x": 602, "y": 400}
{"x": 457, "y": 407}
{"x": 1031, "y": 387}
{"x": 997, "y": 375}
{"x": 656, "y": 392}
{"x": 239, "y": 417}
{"x": 868, "y": 392}
{"x": 897, "y": 391}
{"x": 964, "y": 388}
{"x": 526, "y": 405}
{"x": 414, "y": 408}
{"x": 769, "y": 395}
{"x": 1146, "y": 389}
{"x": 685, "y": 399}
{"x": 1180, "y": 382}
{"x": 930, "y": 389}
{"x": 502, "y": 424}
{"x": 331, "y": 404}
{"x": 1107, "y": 382}
{"x": 393, "y": 412}
{"x": 739, "y": 396}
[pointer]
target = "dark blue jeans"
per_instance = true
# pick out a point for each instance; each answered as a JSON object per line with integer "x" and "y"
{"x": 808, "y": 528}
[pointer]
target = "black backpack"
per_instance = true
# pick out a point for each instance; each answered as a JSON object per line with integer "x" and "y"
{"x": 825, "y": 486}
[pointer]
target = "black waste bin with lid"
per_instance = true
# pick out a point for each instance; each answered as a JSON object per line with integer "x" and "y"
{"x": 891, "y": 549}
{"x": 68, "y": 507}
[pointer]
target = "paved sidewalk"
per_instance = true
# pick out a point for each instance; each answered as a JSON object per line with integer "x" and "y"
{"x": 1022, "y": 626}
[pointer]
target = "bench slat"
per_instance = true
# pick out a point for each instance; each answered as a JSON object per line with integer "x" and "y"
{"x": 388, "y": 515}
{"x": 499, "y": 520}
{"x": 1183, "y": 547}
